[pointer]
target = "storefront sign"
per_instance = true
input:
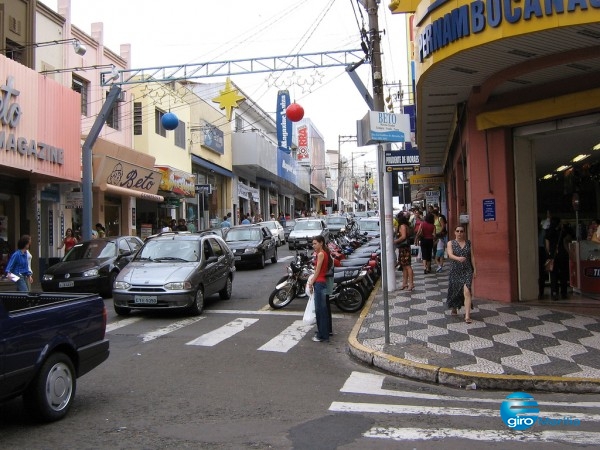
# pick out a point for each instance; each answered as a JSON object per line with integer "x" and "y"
{"x": 489, "y": 210}
{"x": 213, "y": 138}
{"x": 121, "y": 174}
{"x": 177, "y": 181}
{"x": 426, "y": 179}
{"x": 247, "y": 192}
{"x": 401, "y": 158}
{"x": 378, "y": 127}
{"x": 74, "y": 200}
{"x": 145, "y": 230}
{"x": 303, "y": 150}
{"x": 284, "y": 125}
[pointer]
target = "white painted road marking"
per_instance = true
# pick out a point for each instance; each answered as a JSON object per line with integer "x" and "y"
{"x": 288, "y": 338}
{"x": 121, "y": 323}
{"x": 146, "y": 337}
{"x": 421, "y": 434}
{"x": 222, "y": 333}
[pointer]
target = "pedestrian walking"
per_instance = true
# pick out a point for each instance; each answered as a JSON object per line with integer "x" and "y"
{"x": 19, "y": 264}
{"x": 68, "y": 241}
{"x": 424, "y": 235}
{"x": 404, "y": 257}
{"x": 318, "y": 285}
{"x": 462, "y": 272}
{"x": 439, "y": 254}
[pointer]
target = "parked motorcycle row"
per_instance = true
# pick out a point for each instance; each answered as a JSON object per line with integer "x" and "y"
{"x": 357, "y": 266}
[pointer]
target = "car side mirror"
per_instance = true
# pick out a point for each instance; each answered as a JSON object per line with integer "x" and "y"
{"x": 124, "y": 253}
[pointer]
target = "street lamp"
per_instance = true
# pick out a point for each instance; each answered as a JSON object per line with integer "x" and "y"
{"x": 79, "y": 48}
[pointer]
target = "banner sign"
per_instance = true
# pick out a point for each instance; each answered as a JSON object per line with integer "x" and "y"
{"x": 284, "y": 125}
{"x": 399, "y": 159}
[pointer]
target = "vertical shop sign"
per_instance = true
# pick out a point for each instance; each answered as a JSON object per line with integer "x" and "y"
{"x": 50, "y": 228}
{"x": 133, "y": 218}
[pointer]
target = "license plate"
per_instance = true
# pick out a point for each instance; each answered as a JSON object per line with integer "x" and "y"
{"x": 302, "y": 242}
{"x": 146, "y": 299}
{"x": 64, "y": 284}
{"x": 237, "y": 258}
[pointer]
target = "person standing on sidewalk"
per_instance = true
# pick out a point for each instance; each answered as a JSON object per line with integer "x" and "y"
{"x": 404, "y": 257}
{"x": 319, "y": 286}
{"x": 19, "y": 264}
{"x": 462, "y": 272}
{"x": 425, "y": 235}
{"x": 556, "y": 242}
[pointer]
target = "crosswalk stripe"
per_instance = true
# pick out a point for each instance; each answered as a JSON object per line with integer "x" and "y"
{"x": 222, "y": 333}
{"x": 441, "y": 411}
{"x": 421, "y": 434}
{"x": 146, "y": 337}
{"x": 371, "y": 384}
{"x": 288, "y": 338}
{"x": 121, "y": 323}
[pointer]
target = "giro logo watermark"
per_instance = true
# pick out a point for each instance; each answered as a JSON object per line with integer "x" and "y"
{"x": 520, "y": 411}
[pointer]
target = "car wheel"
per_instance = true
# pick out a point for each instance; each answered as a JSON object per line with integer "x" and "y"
{"x": 261, "y": 262}
{"x": 122, "y": 311}
{"x": 225, "y": 293}
{"x": 52, "y": 391}
{"x": 198, "y": 305}
{"x": 291, "y": 247}
{"x": 274, "y": 258}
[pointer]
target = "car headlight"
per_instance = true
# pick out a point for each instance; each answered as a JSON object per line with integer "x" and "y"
{"x": 48, "y": 277}
{"x": 91, "y": 273}
{"x": 251, "y": 250}
{"x": 122, "y": 285}
{"x": 178, "y": 285}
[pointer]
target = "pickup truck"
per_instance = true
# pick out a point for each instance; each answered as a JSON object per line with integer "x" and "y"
{"x": 47, "y": 341}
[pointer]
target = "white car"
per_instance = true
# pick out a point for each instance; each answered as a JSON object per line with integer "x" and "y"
{"x": 276, "y": 230}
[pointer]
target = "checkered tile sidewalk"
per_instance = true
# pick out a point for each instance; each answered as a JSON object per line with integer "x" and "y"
{"x": 503, "y": 339}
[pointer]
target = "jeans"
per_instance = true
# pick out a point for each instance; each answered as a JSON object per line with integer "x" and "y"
{"x": 321, "y": 311}
{"x": 22, "y": 284}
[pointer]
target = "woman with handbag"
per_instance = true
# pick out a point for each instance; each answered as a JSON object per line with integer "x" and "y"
{"x": 404, "y": 258}
{"x": 557, "y": 239}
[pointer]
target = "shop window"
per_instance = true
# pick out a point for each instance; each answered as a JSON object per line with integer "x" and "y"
{"x": 82, "y": 86}
{"x": 113, "y": 119}
{"x": 180, "y": 135}
{"x": 158, "y": 126}
{"x": 138, "y": 128}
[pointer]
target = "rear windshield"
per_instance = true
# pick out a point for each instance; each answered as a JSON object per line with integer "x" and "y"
{"x": 307, "y": 225}
{"x": 369, "y": 225}
{"x": 92, "y": 250}
{"x": 243, "y": 235}
{"x": 170, "y": 250}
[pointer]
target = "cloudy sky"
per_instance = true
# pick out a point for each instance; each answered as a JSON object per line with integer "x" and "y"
{"x": 193, "y": 31}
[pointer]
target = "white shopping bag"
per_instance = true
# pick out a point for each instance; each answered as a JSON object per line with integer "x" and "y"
{"x": 310, "y": 317}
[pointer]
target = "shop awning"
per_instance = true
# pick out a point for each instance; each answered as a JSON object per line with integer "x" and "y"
{"x": 131, "y": 193}
{"x": 211, "y": 166}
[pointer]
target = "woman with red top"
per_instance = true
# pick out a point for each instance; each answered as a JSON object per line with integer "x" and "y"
{"x": 318, "y": 285}
{"x": 425, "y": 235}
{"x": 69, "y": 241}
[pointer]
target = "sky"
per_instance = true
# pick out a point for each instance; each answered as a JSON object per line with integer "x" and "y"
{"x": 193, "y": 31}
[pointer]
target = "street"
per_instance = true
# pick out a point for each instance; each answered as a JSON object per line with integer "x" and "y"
{"x": 244, "y": 376}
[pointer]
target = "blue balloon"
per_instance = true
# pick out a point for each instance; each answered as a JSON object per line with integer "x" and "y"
{"x": 169, "y": 121}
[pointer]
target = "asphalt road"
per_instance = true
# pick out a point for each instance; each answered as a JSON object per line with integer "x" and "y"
{"x": 242, "y": 376}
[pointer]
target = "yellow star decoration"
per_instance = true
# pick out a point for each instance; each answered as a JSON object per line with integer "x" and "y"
{"x": 228, "y": 99}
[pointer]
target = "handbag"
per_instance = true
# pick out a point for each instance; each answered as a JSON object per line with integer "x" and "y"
{"x": 549, "y": 265}
{"x": 310, "y": 317}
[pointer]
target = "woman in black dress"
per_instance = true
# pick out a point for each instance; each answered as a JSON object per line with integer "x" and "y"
{"x": 462, "y": 272}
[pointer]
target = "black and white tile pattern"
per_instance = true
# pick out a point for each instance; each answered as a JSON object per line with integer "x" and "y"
{"x": 503, "y": 339}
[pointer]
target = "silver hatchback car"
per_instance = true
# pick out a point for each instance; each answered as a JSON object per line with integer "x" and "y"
{"x": 175, "y": 270}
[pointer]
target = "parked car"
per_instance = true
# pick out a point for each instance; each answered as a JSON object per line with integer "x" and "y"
{"x": 289, "y": 226}
{"x": 276, "y": 230}
{"x": 175, "y": 270}
{"x": 305, "y": 230}
{"x": 336, "y": 223}
{"x": 48, "y": 341}
{"x": 91, "y": 266}
{"x": 252, "y": 244}
{"x": 370, "y": 226}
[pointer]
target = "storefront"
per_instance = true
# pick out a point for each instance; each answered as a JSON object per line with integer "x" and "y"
{"x": 39, "y": 150}
{"x": 178, "y": 189}
{"x": 208, "y": 210}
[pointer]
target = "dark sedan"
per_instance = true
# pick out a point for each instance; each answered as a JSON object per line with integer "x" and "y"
{"x": 252, "y": 244}
{"x": 91, "y": 266}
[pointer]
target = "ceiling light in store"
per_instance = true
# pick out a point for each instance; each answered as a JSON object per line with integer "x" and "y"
{"x": 561, "y": 168}
{"x": 579, "y": 158}
{"x": 547, "y": 177}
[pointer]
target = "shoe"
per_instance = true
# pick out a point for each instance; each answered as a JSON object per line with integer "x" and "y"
{"x": 425, "y": 272}
{"x": 411, "y": 288}
{"x": 316, "y": 339}
{"x": 454, "y": 312}
{"x": 404, "y": 287}
{"x": 439, "y": 269}
{"x": 468, "y": 320}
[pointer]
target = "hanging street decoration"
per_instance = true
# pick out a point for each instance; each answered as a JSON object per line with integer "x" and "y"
{"x": 294, "y": 112}
{"x": 169, "y": 121}
{"x": 228, "y": 99}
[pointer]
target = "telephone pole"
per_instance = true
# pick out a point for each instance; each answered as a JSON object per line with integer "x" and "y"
{"x": 384, "y": 180}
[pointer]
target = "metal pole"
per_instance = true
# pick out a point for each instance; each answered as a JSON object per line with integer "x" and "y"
{"x": 388, "y": 276}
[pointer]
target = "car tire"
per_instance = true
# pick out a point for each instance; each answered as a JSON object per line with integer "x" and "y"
{"x": 261, "y": 261}
{"x": 291, "y": 247}
{"x": 122, "y": 311}
{"x": 225, "y": 293}
{"x": 197, "y": 305}
{"x": 51, "y": 393}
{"x": 274, "y": 258}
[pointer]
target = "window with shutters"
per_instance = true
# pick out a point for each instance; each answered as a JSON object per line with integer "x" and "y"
{"x": 138, "y": 128}
{"x": 82, "y": 86}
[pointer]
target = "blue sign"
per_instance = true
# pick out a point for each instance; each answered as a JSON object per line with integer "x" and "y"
{"x": 489, "y": 209}
{"x": 284, "y": 125}
{"x": 402, "y": 158}
{"x": 287, "y": 167}
{"x": 213, "y": 138}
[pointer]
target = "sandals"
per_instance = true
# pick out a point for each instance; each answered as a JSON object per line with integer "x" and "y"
{"x": 404, "y": 287}
{"x": 454, "y": 312}
{"x": 468, "y": 320}
{"x": 411, "y": 288}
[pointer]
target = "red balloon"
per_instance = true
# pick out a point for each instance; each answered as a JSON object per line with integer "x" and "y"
{"x": 294, "y": 112}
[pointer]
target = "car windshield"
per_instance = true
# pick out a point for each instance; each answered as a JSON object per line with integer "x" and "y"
{"x": 170, "y": 250}
{"x": 336, "y": 221}
{"x": 92, "y": 250}
{"x": 290, "y": 223}
{"x": 307, "y": 225}
{"x": 369, "y": 225}
{"x": 240, "y": 234}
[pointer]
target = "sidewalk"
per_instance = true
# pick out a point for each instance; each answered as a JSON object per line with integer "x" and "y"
{"x": 517, "y": 346}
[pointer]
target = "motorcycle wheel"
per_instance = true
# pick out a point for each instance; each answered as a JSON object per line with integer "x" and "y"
{"x": 350, "y": 299}
{"x": 280, "y": 298}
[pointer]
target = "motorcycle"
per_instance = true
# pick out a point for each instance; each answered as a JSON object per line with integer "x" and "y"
{"x": 294, "y": 283}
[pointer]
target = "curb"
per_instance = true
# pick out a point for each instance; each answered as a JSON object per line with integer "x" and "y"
{"x": 456, "y": 378}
